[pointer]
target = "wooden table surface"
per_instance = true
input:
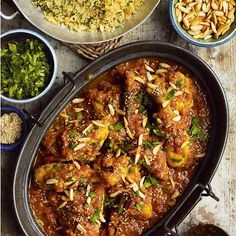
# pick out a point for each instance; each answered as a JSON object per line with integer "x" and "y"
{"x": 222, "y": 60}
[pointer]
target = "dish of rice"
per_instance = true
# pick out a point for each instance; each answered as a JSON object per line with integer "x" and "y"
{"x": 89, "y": 15}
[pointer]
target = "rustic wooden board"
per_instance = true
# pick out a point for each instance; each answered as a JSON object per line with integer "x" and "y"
{"x": 222, "y": 60}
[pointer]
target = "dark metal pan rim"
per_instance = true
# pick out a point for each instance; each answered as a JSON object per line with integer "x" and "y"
{"x": 201, "y": 180}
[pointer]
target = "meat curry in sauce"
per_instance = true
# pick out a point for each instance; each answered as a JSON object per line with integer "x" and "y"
{"x": 121, "y": 153}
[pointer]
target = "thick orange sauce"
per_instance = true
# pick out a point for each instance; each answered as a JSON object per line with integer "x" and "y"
{"x": 119, "y": 155}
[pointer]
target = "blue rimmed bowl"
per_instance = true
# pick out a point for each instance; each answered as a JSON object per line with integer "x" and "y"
{"x": 231, "y": 33}
{"x": 19, "y": 34}
{"x": 24, "y": 128}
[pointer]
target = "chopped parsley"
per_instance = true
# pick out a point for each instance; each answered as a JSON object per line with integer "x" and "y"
{"x": 72, "y": 134}
{"x": 127, "y": 147}
{"x": 180, "y": 83}
{"x": 120, "y": 209}
{"x": 139, "y": 206}
{"x": 158, "y": 132}
{"x": 79, "y": 116}
{"x": 25, "y": 69}
{"x": 72, "y": 145}
{"x": 195, "y": 130}
{"x": 170, "y": 94}
{"x": 109, "y": 202}
{"x": 96, "y": 216}
{"x": 116, "y": 127}
{"x": 92, "y": 194}
{"x": 150, "y": 144}
{"x": 149, "y": 181}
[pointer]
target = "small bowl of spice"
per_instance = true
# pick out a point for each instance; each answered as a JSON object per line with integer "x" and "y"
{"x": 28, "y": 66}
{"x": 13, "y": 128}
{"x": 204, "y": 23}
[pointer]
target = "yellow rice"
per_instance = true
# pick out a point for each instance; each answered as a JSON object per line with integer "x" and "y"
{"x": 89, "y": 15}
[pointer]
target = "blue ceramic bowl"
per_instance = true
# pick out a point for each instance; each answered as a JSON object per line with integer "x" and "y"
{"x": 20, "y": 34}
{"x": 14, "y": 146}
{"x": 231, "y": 33}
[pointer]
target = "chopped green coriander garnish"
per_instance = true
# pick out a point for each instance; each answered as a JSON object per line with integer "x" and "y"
{"x": 92, "y": 194}
{"x": 72, "y": 134}
{"x": 25, "y": 69}
{"x": 150, "y": 180}
{"x": 95, "y": 216}
{"x": 120, "y": 209}
{"x": 170, "y": 94}
{"x": 158, "y": 132}
{"x": 139, "y": 206}
{"x": 72, "y": 145}
{"x": 116, "y": 127}
{"x": 79, "y": 116}
{"x": 150, "y": 144}
{"x": 180, "y": 83}
{"x": 195, "y": 130}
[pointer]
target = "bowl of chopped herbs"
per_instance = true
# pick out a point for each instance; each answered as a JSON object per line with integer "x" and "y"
{"x": 28, "y": 66}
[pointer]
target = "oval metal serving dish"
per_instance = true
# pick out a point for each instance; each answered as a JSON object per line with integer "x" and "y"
{"x": 64, "y": 34}
{"x": 216, "y": 100}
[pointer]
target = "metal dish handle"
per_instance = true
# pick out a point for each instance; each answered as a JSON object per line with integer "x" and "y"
{"x": 208, "y": 192}
{"x": 9, "y": 17}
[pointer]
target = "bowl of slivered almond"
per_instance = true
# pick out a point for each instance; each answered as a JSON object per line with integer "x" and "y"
{"x": 205, "y": 23}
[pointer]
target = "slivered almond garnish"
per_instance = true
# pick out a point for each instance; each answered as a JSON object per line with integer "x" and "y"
{"x": 177, "y": 118}
{"x": 141, "y": 182}
{"x": 77, "y": 165}
{"x": 71, "y": 194}
{"x": 127, "y": 128}
{"x": 97, "y": 123}
{"x": 64, "y": 198}
{"x": 137, "y": 155}
{"x": 102, "y": 219}
{"x": 201, "y": 155}
{"x": 173, "y": 86}
{"x": 79, "y": 146}
{"x": 172, "y": 181}
{"x": 148, "y": 68}
{"x": 140, "y": 139}
{"x": 141, "y": 194}
{"x": 77, "y": 109}
{"x": 63, "y": 205}
{"x": 88, "y": 200}
{"x": 156, "y": 149}
{"x": 152, "y": 86}
{"x": 129, "y": 133}
{"x": 175, "y": 194}
{"x": 161, "y": 71}
{"x": 118, "y": 152}
{"x": 126, "y": 122}
{"x": 115, "y": 194}
{"x": 87, "y": 129}
{"x": 166, "y": 103}
{"x": 65, "y": 116}
{"x": 176, "y": 112}
{"x": 150, "y": 77}
{"x": 164, "y": 65}
{"x": 135, "y": 187}
{"x": 184, "y": 144}
{"x": 88, "y": 190}
{"x": 84, "y": 139}
{"x": 136, "y": 111}
{"x": 144, "y": 122}
{"x": 77, "y": 100}
{"x": 52, "y": 181}
{"x": 81, "y": 228}
{"x": 138, "y": 79}
{"x": 178, "y": 93}
{"x": 111, "y": 109}
{"x": 205, "y": 19}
